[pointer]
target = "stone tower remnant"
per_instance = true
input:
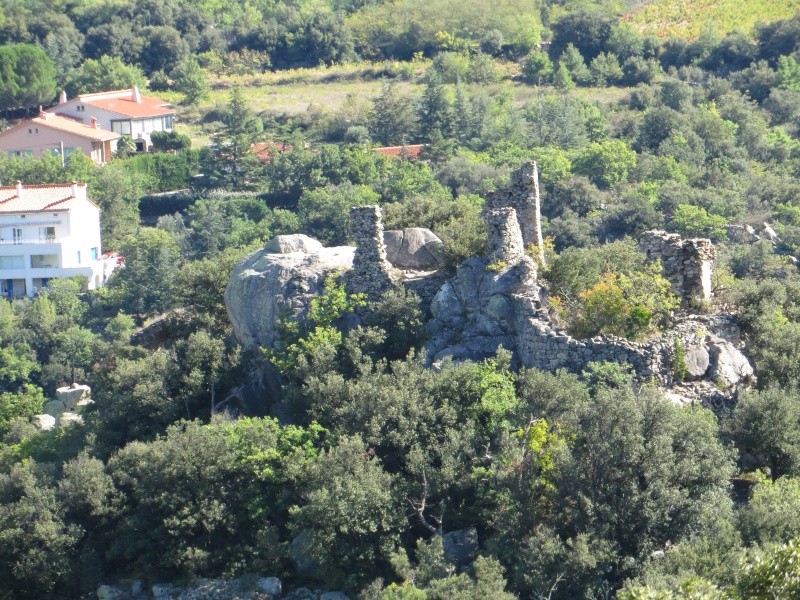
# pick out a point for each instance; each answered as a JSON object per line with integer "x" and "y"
{"x": 522, "y": 194}
{"x": 686, "y": 264}
{"x": 504, "y": 238}
{"x": 371, "y": 273}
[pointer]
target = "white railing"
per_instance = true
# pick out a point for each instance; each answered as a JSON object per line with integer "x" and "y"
{"x": 22, "y": 242}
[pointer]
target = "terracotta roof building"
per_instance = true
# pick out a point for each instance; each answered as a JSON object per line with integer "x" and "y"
{"x": 127, "y": 112}
{"x": 54, "y": 134}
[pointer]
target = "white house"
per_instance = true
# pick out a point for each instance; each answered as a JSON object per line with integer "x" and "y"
{"x": 46, "y": 232}
{"x": 126, "y": 112}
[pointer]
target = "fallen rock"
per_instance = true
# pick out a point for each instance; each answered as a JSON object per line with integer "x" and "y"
{"x": 728, "y": 366}
{"x": 414, "y": 248}
{"x": 303, "y": 563}
{"x": 111, "y": 592}
{"x": 334, "y": 596}
{"x": 44, "y": 422}
{"x": 70, "y": 395}
{"x": 696, "y": 360}
{"x": 69, "y": 418}
{"x": 271, "y": 586}
{"x": 298, "y": 242}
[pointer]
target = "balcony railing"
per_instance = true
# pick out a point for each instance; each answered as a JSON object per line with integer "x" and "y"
{"x": 20, "y": 242}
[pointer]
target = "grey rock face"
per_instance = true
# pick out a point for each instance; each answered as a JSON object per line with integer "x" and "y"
{"x": 460, "y": 547}
{"x": 111, "y": 592}
{"x": 696, "y": 360}
{"x": 265, "y": 284}
{"x": 298, "y": 242}
{"x": 271, "y": 586}
{"x": 728, "y": 366}
{"x": 414, "y": 248}
{"x": 334, "y": 596}
{"x": 303, "y": 563}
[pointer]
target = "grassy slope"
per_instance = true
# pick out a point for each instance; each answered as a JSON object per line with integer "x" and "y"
{"x": 687, "y": 18}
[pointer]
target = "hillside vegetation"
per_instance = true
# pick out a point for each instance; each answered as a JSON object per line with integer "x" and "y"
{"x": 690, "y": 18}
{"x": 349, "y": 471}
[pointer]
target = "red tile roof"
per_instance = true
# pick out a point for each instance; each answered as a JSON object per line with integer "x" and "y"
{"x": 40, "y": 198}
{"x": 411, "y": 152}
{"x": 124, "y": 102}
{"x": 265, "y": 150}
{"x": 67, "y": 125}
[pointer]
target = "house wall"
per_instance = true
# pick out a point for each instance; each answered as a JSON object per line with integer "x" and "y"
{"x": 111, "y": 121}
{"x": 75, "y": 249}
{"x": 47, "y": 140}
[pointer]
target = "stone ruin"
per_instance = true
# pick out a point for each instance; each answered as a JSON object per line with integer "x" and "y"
{"x": 686, "y": 264}
{"x": 495, "y": 301}
{"x": 371, "y": 272}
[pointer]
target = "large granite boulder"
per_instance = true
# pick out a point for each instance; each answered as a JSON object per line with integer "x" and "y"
{"x": 728, "y": 366}
{"x": 414, "y": 248}
{"x": 266, "y": 284}
{"x": 298, "y": 242}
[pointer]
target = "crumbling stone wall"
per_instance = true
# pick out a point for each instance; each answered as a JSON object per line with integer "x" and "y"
{"x": 521, "y": 196}
{"x": 504, "y": 237}
{"x": 371, "y": 273}
{"x": 687, "y": 264}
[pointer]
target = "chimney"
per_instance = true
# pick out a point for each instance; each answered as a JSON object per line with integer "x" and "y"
{"x": 74, "y": 189}
{"x": 19, "y": 188}
{"x": 135, "y": 95}
{"x": 62, "y": 97}
{"x": 93, "y": 122}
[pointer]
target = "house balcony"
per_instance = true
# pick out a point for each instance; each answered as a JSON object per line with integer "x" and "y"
{"x": 26, "y": 241}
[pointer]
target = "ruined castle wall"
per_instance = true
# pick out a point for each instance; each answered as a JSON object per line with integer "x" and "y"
{"x": 543, "y": 346}
{"x": 521, "y": 196}
{"x": 371, "y": 272}
{"x": 686, "y": 264}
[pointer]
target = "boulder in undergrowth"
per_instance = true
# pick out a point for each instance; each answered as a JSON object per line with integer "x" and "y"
{"x": 266, "y": 285}
{"x": 728, "y": 366}
{"x": 414, "y": 248}
{"x": 461, "y": 546}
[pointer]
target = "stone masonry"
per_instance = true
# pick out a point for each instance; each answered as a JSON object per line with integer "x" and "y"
{"x": 495, "y": 301}
{"x": 521, "y": 196}
{"x": 371, "y": 273}
{"x": 686, "y": 264}
{"x": 504, "y": 238}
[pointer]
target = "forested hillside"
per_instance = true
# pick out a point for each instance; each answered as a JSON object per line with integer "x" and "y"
{"x": 348, "y": 468}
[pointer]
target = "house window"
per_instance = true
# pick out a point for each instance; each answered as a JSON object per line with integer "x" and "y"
{"x": 12, "y": 262}
{"x": 121, "y": 127}
{"x": 168, "y": 122}
{"x": 68, "y": 151}
{"x": 93, "y": 252}
{"x": 81, "y": 108}
{"x": 16, "y": 234}
{"x": 44, "y": 261}
{"x": 47, "y": 234}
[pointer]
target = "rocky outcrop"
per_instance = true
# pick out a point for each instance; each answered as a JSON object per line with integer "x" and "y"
{"x": 66, "y": 409}
{"x": 244, "y": 588}
{"x": 494, "y": 301}
{"x": 266, "y": 285}
{"x": 414, "y": 248}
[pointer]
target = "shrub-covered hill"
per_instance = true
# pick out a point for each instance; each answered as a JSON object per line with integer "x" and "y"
{"x": 689, "y": 18}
